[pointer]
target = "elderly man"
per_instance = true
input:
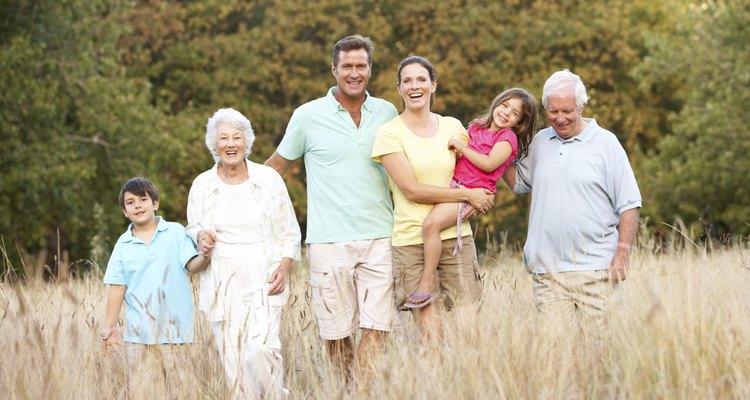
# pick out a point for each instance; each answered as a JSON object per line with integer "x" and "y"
{"x": 584, "y": 205}
{"x": 350, "y": 215}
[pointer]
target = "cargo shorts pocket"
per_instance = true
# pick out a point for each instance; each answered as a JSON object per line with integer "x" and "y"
{"x": 323, "y": 294}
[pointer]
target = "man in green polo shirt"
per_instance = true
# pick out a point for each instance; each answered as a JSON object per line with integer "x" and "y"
{"x": 350, "y": 215}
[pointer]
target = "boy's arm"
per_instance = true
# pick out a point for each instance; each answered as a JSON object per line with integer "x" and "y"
{"x": 115, "y": 297}
{"x": 198, "y": 263}
{"x": 487, "y": 163}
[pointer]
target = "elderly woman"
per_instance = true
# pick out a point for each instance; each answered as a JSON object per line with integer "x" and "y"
{"x": 240, "y": 212}
{"x": 413, "y": 148}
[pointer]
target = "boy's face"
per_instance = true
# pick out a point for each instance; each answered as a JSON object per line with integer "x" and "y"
{"x": 139, "y": 209}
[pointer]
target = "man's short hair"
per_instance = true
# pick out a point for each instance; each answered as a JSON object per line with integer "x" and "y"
{"x": 140, "y": 187}
{"x": 354, "y": 42}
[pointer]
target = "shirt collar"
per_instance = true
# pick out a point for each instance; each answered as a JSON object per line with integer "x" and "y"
{"x": 586, "y": 135}
{"x": 161, "y": 226}
{"x": 335, "y": 105}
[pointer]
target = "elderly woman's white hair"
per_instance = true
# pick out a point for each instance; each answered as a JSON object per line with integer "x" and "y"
{"x": 231, "y": 117}
{"x": 562, "y": 83}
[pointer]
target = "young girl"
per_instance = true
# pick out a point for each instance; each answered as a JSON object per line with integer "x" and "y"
{"x": 492, "y": 146}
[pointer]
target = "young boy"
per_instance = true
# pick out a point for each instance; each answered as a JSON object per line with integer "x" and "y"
{"x": 148, "y": 270}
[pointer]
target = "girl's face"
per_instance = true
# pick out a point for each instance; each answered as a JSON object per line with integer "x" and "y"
{"x": 507, "y": 114}
{"x": 416, "y": 87}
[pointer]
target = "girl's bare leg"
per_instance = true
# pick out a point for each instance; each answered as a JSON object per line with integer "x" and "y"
{"x": 441, "y": 217}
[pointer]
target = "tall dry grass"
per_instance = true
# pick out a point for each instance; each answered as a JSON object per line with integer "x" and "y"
{"x": 679, "y": 328}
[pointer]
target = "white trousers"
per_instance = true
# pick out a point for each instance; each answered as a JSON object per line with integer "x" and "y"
{"x": 248, "y": 336}
{"x": 250, "y": 350}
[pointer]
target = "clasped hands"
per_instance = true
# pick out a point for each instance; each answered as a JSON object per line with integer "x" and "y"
{"x": 278, "y": 280}
{"x": 206, "y": 242}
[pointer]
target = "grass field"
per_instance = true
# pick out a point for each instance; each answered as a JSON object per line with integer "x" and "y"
{"x": 679, "y": 329}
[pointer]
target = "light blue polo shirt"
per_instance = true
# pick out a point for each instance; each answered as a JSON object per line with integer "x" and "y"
{"x": 158, "y": 296}
{"x": 347, "y": 192}
{"x": 579, "y": 187}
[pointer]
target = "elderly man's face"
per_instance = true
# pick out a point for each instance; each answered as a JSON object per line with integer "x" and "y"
{"x": 564, "y": 116}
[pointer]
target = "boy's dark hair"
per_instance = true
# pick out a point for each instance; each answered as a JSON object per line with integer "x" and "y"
{"x": 139, "y": 186}
{"x": 354, "y": 42}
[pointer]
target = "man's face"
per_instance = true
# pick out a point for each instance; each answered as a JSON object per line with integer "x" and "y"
{"x": 352, "y": 73}
{"x": 564, "y": 116}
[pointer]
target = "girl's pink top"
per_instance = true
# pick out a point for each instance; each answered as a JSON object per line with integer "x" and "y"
{"x": 482, "y": 140}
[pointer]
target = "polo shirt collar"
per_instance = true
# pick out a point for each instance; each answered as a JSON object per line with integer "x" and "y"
{"x": 335, "y": 105}
{"x": 161, "y": 226}
{"x": 587, "y": 135}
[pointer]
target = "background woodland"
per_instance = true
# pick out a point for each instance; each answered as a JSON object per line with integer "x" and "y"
{"x": 94, "y": 92}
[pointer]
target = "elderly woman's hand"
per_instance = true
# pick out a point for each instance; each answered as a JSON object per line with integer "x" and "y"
{"x": 206, "y": 242}
{"x": 280, "y": 277}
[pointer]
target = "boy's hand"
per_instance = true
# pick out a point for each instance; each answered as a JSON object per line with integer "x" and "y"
{"x": 206, "y": 242}
{"x": 110, "y": 339}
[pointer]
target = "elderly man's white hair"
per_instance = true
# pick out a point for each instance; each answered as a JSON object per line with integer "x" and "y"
{"x": 231, "y": 117}
{"x": 563, "y": 83}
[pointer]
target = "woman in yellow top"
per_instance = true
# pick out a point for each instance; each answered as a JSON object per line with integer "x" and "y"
{"x": 413, "y": 149}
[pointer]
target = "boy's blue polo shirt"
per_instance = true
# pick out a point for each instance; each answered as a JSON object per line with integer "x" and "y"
{"x": 158, "y": 296}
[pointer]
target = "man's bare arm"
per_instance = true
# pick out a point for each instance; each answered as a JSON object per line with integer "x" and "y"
{"x": 279, "y": 163}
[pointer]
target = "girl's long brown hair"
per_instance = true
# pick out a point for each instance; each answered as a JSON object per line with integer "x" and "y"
{"x": 526, "y": 126}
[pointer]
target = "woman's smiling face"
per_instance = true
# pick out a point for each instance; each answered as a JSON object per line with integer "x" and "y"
{"x": 230, "y": 145}
{"x": 415, "y": 86}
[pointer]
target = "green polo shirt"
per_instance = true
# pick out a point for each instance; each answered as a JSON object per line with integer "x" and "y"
{"x": 347, "y": 192}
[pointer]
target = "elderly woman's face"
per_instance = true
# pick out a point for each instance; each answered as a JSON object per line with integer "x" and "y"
{"x": 230, "y": 145}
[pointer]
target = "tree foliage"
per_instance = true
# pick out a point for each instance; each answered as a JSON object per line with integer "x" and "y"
{"x": 95, "y": 92}
{"x": 699, "y": 171}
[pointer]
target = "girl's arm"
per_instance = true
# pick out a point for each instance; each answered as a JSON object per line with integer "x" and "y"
{"x": 398, "y": 168}
{"x": 487, "y": 163}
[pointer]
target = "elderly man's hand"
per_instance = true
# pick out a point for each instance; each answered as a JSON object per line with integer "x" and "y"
{"x": 618, "y": 266}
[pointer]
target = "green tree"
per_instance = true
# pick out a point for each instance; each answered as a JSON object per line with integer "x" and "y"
{"x": 699, "y": 170}
{"x": 74, "y": 127}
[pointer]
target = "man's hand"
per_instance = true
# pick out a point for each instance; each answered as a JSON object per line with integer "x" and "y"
{"x": 618, "y": 266}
